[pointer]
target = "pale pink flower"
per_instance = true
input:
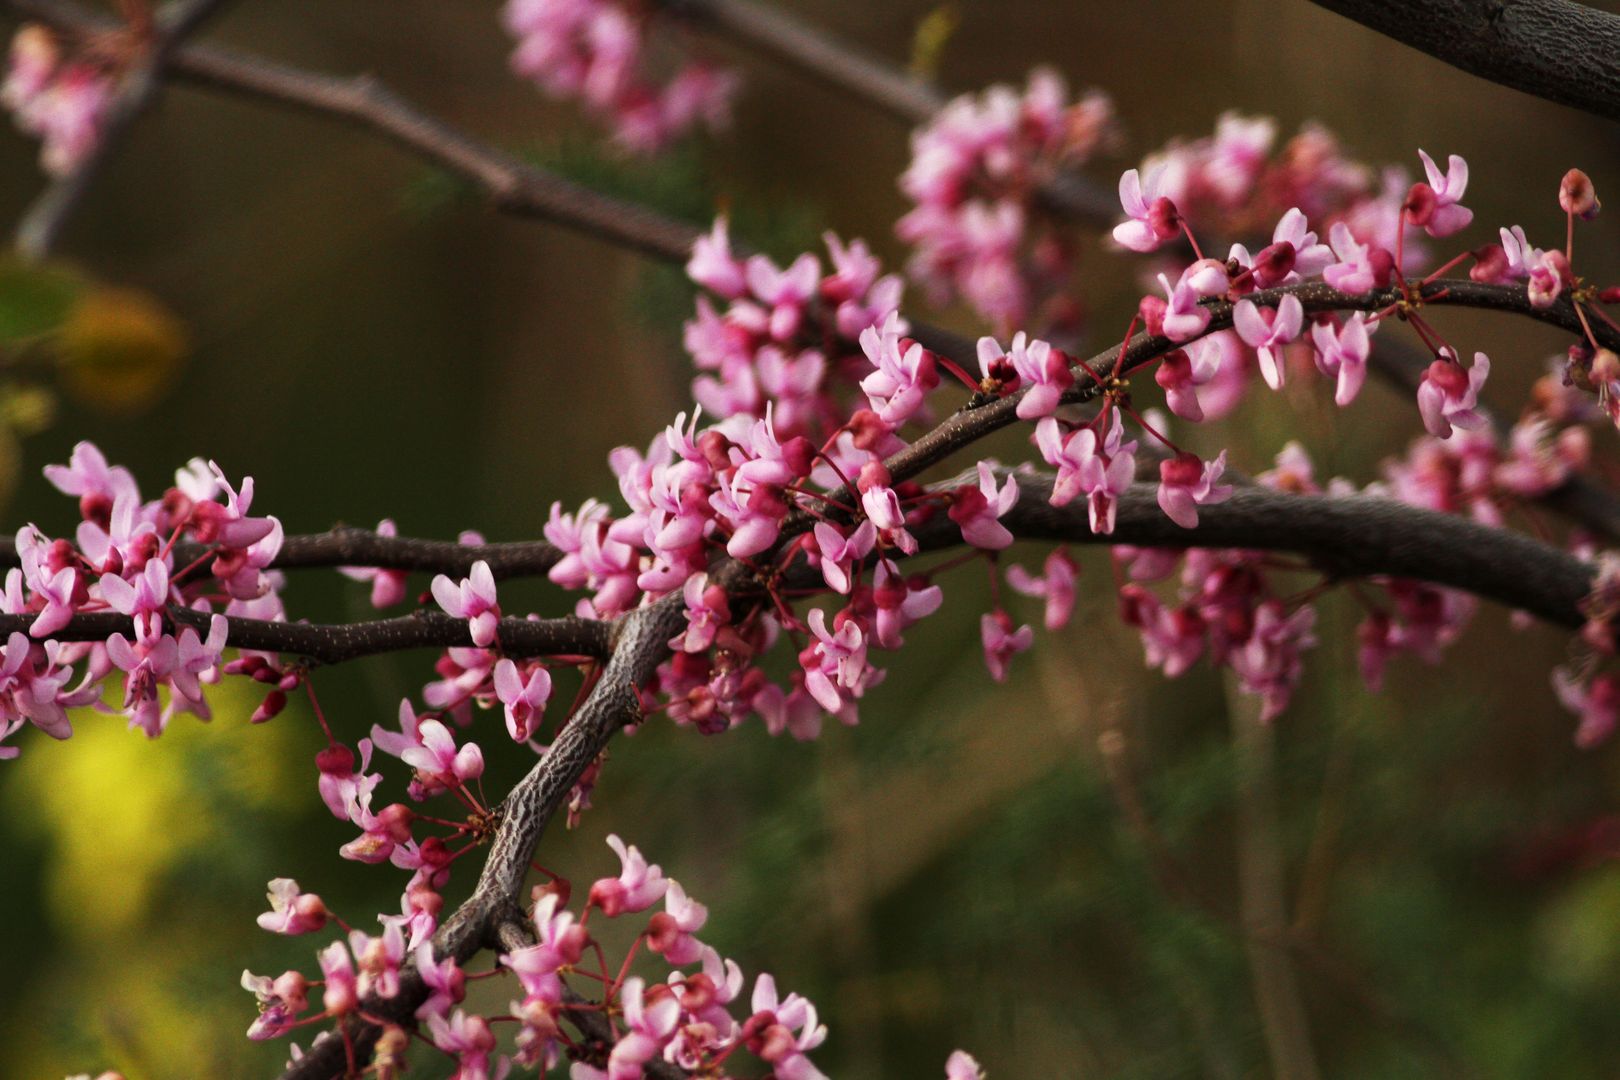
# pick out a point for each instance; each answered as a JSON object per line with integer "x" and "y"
{"x": 1267, "y": 330}
{"x": 638, "y": 887}
{"x": 1001, "y": 642}
{"x": 1342, "y": 354}
{"x": 473, "y": 599}
{"x": 1447, "y": 215}
{"x": 977, "y": 510}
{"x": 525, "y": 699}
{"x": 292, "y": 911}
{"x": 1448, "y": 397}
{"x": 387, "y": 586}
{"x": 1056, "y": 584}
{"x": 1185, "y": 483}
{"x": 1153, "y": 217}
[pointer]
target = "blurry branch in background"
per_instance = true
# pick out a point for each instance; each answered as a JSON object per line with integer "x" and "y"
{"x": 43, "y": 222}
{"x": 1555, "y": 49}
{"x": 512, "y": 185}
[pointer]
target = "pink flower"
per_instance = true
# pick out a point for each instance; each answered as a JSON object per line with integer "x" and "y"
{"x": 1184, "y": 317}
{"x": 1153, "y": 218}
{"x": 379, "y": 959}
{"x": 1267, "y": 331}
{"x": 559, "y": 942}
{"x": 961, "y": 1065}
{"x": 1185, "y": 483}
{"x": 474, "y": 600}
{"x": 905, "y": 374}
{"x": 669, "y": 933}
{"x": 774, "y": 1023}
{"x": 713, "y": 266}
{"x": 387, "y": 586}
{"x": 882, "y": 507}
{"x": 524, "y": 699}
{"x": 444, "y": 978}
{"x": 144, "y": 601}
{"x": 1448, "y": 396}
{"x": 977, "y": 510}
{"x": 1269, "y": 663}
{"x": 900, "y": 601}
{"x": 838, "y": 553}
{"x": 1001, "y": 642}
{"x": 1343, "y": 354}
{"x": 438, "y": 763}
{"x": 1550, "y": 274}
{"x": 57, "y": 593}
{"x": 292, "y": 911}
{"x": 280, "y": 1001}
{"x": 638, "y": 886}
{"x": 98, "y": 485}
{"x": 1182, "y": 372}
{"x": 1056, "y": 585}
{"x": 651, "y": 1014}
{"x": 1445, "y": 215}
{"x": 1103, "y": 471}
{"x": 1597, "y": 704}
{"x": 1360, "y": 267}
{"x": 470, "y": 1041}
{"x": 1043, "y": 370}
{"x": 1577, "y": 196}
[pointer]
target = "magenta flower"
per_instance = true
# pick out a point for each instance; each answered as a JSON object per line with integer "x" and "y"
{"x": 882, "y": 506}
{"x": 378, "y": 959}
{"x": 470, "y": 1041}
{"x": 292, "y": 911}
{"x": 1446, "y": 215}
{"x": 713, "y": 266}
{"x": 1102, "y": 469}
{"x": 784, "y": 292}
{"x": 1153, "y": 218}
{"x": 98, "y": 485}
{"x": 1342, "y": 354}
{"x": 904, "y": 376}
{"x": 1056, "y": 584}
{"x": 900, "y": 601}
{"x": 437, "y": 762}
{"x": 1001, "y": 642}
{"x": 1360, "y": 267}
{"x": 651, "y": 1014}
{"x": 1550, "y": 274}
{"x": 445, "y": 980}
{"x": 978, "y": 510}
{"x": 1182, "y": 372}
{"x": 1269, "y": 663}
{"x": 144, "y": 601}
{"x": 775, "y": 1023}
{"x": 1184, "y": 317}
{"x": 559, "y": 942}
{"x": 57, "y": 593}
{"x": 525, "y": 699}
{"x": 669, "y": 933}
{"x": 839, "y": 553}
{"x": 638, "y": 887}
{"x": 835, "y": 667}
{"x": 387, "y": 586}
{"x": 474, "y": 600}
{"x": 1267, "y": 330}
{"x": 1448, "y": 397}
{"x": 1597, "y": 704}
{"x": 1185, "y": 483}
{"x": 1041, "y": 369}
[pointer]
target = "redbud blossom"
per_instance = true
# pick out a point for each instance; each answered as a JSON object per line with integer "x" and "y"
{"x": 1056, "y": 584}
{"x": 1267, "y": 330}
{"x": 1577, "y": 196}
{"x": 1449, "y": 395}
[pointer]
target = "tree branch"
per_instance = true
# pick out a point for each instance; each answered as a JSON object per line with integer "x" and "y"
{"x": 1555, "y": 49}
{"x": 346, "y": 546}
{"x": 334, "y": 643}
{"x": 44, "y": 221}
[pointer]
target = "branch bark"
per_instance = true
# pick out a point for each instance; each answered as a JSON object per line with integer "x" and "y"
{"x": 1555, "y": 49}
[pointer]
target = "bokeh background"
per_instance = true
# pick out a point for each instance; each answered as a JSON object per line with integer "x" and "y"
{"x": 966, "y": 868}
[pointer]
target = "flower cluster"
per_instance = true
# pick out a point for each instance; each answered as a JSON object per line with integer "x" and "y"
{"x": 123, "y": 562}
{"x": 597, "y": 51}
{"x": 59, "y": 100}
{"x": 978, "y": 224}
{"x": 693, "y": 1016}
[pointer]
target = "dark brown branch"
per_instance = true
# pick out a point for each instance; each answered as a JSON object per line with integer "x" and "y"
{"x": 346, "y": 546}
{"x": 44, "y": 221}
{"x": 334, "y": 643}
{"x": 1555, "y": 49}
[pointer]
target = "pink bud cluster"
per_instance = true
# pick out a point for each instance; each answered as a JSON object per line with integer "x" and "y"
{"x": 598, "y": 52}
{"x": 58, "y": 99}
{"x": 977, "y": 224}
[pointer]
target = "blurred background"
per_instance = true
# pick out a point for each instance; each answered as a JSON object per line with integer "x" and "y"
{"x": 1043, "y": 872}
